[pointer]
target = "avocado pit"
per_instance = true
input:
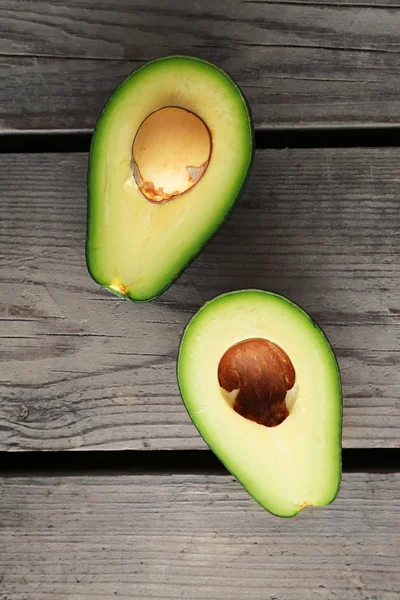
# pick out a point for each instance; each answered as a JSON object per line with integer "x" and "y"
{"x": 171, "y": 152}
{"x": 256, "y": 376}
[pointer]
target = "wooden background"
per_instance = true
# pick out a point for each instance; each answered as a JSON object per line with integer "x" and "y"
{"x": 300, "y": 63}
{"x": 83, "y": 370}
{"x": 195, "y": 538}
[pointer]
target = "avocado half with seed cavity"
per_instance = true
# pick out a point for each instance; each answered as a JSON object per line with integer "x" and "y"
{"x": 262, "y": 385}
{"x": 169, "y": 157}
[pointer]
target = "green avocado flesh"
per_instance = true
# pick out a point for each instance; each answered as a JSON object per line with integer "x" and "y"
{"x": 137, "y": 247}
{"x": 298, "y": 462}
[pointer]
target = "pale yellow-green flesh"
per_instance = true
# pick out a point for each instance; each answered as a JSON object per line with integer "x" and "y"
{"x": 135, "y": 246}
{"x": 297, "y": 463}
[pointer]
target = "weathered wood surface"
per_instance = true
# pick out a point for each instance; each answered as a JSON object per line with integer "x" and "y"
{"x": 299, "y": 63}
{"x": 194, "y": 537}
{"x": 80, "y": 368}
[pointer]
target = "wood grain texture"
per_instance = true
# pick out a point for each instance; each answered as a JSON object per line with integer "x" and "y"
{"x": 299, "y": 63}
{"x": 194, "y": 537}
{"x": 80, "y": 368}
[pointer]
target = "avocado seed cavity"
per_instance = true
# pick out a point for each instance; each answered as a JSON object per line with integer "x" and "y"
{"x": 257, "y": 378}
{"x": 171, "y": 152}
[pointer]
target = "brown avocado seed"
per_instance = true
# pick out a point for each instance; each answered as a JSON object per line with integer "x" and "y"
{"x": 262, "y": 373}
{"x": 171, "y": 151}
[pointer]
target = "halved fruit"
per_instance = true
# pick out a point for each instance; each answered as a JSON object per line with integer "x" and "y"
{"x": 169, "y": 157}
{"x": 262, "y": 385}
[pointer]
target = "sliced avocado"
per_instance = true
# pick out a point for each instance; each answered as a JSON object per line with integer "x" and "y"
{"x": 262, "y": 385}
{"x": 169, "y": 157}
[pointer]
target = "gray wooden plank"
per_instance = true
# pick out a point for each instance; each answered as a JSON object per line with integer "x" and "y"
{"x": 80, "y": 368}
{"x": 299, "y": 63}
{"x": 126, "y": 29}
{"x": 194, "y": 537}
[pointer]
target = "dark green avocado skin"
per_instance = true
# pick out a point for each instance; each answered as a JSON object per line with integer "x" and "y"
{"x": 238, "y": 196}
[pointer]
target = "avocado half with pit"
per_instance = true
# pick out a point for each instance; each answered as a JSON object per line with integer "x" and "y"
{"x": 169, "y": 157}
{"x": 262, "y": 385}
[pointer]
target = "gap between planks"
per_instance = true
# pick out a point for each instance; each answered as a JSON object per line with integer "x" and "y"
{"x": 273, "y": 138}
{"x": 169, "y": 462}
